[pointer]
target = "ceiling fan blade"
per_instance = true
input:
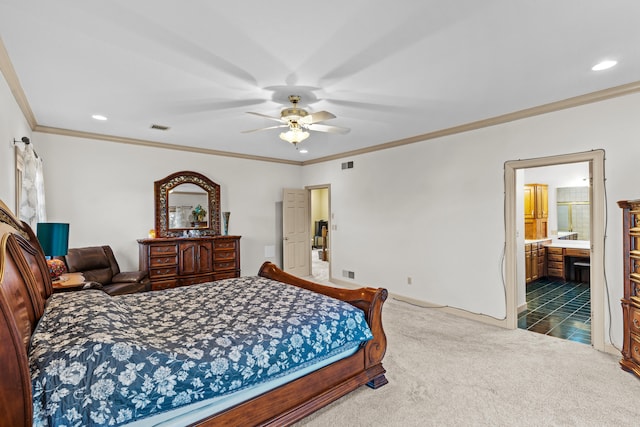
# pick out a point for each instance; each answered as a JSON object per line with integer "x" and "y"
{"x": 327, "y": 128}
{"x": 209, "y": 105}
{"x": 267, "y": 128}
{"x": 319, "y": 116}
{"x": 278, "y": 119}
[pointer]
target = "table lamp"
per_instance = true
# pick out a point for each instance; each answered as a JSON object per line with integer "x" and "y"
{"x": 54, "y": 240}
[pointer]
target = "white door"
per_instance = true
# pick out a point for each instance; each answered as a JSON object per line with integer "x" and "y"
{"x": 296, "y": 247}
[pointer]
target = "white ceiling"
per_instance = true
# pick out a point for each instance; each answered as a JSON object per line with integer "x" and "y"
{"x": 387, "y": 69}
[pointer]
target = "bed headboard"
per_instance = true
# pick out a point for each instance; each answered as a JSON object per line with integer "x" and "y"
{"x": 25, "y": 285}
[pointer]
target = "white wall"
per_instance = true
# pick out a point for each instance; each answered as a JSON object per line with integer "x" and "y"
{"x": 105, "y": 191}
{"x": 13, "y": 125}
{"x": 434, "y": 210}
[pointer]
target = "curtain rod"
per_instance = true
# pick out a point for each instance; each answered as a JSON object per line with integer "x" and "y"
{"x": 26, "y": 141}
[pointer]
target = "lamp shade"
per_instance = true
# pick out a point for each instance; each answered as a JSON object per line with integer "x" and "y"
{"x": 54, "y": 238}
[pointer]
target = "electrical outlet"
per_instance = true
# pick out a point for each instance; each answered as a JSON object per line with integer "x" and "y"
{"x": 409, "y": 280}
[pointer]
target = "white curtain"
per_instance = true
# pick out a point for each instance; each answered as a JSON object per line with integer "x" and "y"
{"x": 31, "y": 185}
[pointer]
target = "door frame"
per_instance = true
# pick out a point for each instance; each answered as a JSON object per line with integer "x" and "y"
{"x": 329, "y": 219}
{"x": 595, "y": 158}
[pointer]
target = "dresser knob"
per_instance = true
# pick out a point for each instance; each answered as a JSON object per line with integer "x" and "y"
{"x": 635, "y": 322}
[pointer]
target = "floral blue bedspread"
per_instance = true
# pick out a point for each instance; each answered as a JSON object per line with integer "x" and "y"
{"x": 102, "y": 360}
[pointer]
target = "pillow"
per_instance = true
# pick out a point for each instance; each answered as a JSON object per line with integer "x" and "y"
{"x": 56, "y": 268}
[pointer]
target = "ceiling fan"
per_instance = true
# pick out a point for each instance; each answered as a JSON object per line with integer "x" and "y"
{"x": 299, "y": 122}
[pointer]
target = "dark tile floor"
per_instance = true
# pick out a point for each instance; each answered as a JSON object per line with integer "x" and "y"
{"x": 557, "y": 308}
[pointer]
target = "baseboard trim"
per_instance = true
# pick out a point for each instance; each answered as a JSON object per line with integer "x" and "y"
{"x": 344, "y": 283}
{"x": 609, "y": 348}
{"x": 479, "y": 317}
{"x": 522, "y": 308}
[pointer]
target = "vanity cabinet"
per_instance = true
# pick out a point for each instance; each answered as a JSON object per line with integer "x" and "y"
{"x": 173, "y": 262}
{"x": 536, "y": 211}
{"x": 562, "y": 260}
{"x": 555, "y": 262}
{"x": 631, "y": 299}
{"x": 535, "y": 260}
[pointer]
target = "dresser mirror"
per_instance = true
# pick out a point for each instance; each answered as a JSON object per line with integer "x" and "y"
{"x": 187, "y": 203}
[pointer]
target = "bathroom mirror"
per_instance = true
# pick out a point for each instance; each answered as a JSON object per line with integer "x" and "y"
{"x": 187, "y": 202}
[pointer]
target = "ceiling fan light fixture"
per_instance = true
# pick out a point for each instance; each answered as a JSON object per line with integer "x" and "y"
{"x": 294, "y": 135}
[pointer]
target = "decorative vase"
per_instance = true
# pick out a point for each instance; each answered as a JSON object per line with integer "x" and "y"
{"x": 225, "y": 222}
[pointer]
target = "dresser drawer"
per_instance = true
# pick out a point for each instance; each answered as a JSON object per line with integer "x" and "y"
{"x": 224, "y": 256}
{"x": 555, "y": 272}
{"x": 555, "y": 265}
{"x": 557, "y": 251}
{"x": 155, "y": 250}
{"x": 163, "y": 284}
{"x": 634, "y": 320}
{"x": 554, "y": 257}
{"x": 163, "y": 261}
{"x": 224, "y": 245}
{"x": 163, "y": 272}
{"x": 635, "y": 348}
{"x": 224, "y": 265}
{"x": 582, "y": 253}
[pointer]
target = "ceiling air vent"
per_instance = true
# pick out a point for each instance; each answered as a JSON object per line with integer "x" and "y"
{"x": 159, "y": 127}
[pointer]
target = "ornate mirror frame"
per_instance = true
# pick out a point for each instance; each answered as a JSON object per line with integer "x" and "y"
{"x": 164, "y": 186}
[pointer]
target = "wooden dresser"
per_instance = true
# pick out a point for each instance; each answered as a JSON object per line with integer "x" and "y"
{"x": 173, "y": 262}
{"x": 631, "y": 300}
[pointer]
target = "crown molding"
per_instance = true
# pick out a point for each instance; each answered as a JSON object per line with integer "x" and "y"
{"x": 9, "y": 73}
{"x": 163, "y": 145}
{"x": 589, "y": 98}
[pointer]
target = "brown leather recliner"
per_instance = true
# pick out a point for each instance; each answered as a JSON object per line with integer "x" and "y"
{"x": 98, "y": 264}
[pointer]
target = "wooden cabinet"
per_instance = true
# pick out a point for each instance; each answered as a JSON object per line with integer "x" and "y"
{"x": 561, "y": 260}
{"x": 173, "y": 262}
{"x": 542, "y": 260}
{"x": 536, "y": 211}
{"x": 527, "y": 263}
{"x": 195, "y": 257}
{"x": 631, "y": 299}
{"x": 535, "y": 260}
{"x": 555, "y": 262}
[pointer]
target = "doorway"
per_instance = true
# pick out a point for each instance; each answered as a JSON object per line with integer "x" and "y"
{"x": 514, "y": 236}
{"x": 319, "y": 225}
{"x": 556, "y": 299}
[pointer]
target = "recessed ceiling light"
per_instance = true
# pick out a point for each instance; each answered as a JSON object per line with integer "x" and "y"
{"x": 99, "y": 117}
{"x": 304, "y": 151}
{"x": 604, "y": 65}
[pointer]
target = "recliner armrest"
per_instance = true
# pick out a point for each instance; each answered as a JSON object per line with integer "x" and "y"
{"x": 93, "y": 285}
{"x": 129, "y": 277}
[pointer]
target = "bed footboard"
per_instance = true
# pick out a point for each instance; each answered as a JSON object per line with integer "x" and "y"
{"x": 293, "y": 401}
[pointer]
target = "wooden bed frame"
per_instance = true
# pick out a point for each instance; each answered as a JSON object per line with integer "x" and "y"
{"x": 25, "y": 286}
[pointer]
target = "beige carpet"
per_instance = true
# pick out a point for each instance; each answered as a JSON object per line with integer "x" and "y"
{"x": 448, "y": 371}
{"x": 319, "y": 268}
